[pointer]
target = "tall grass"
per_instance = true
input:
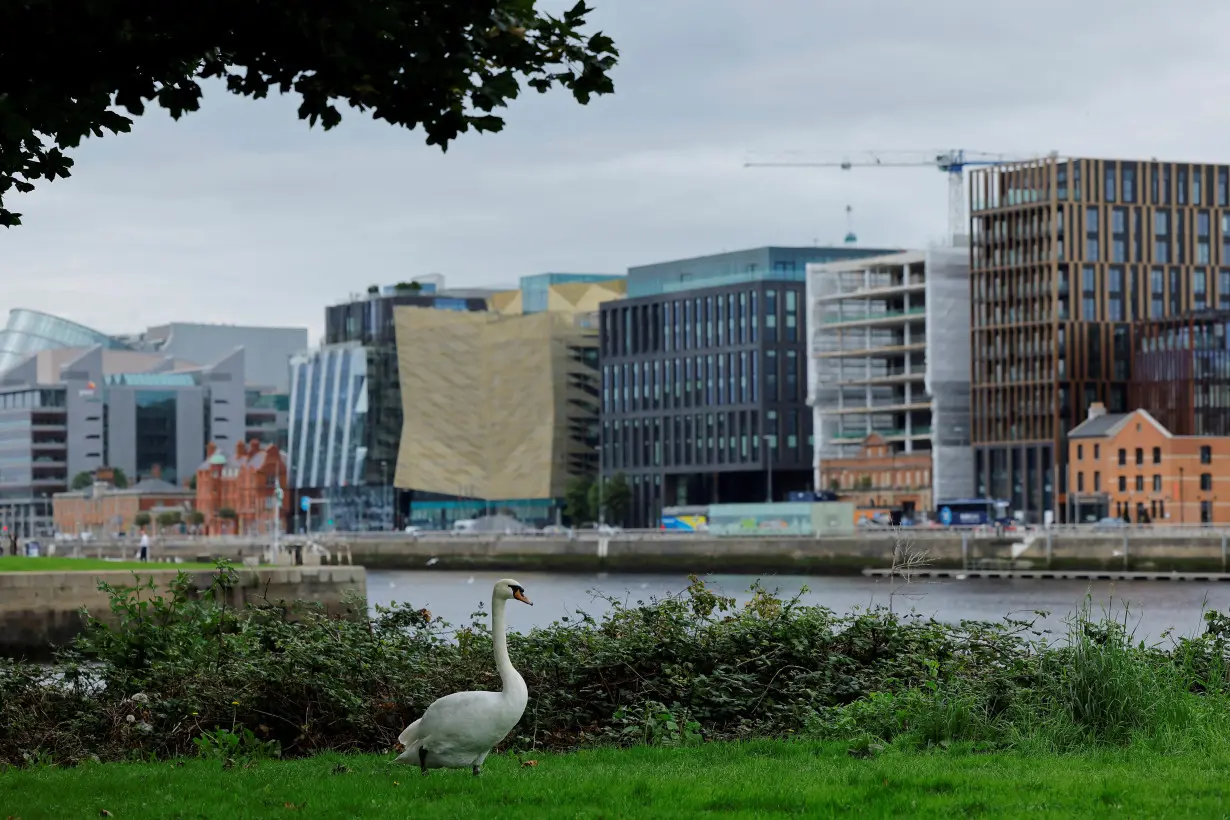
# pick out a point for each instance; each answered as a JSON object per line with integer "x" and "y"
{"x": 1098, "y": 687}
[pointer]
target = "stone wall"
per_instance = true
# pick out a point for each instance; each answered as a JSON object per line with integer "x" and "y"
{"x": 39, "y": 610}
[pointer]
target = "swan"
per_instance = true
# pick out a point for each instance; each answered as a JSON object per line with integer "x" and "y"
{"x": 461, "y": 729}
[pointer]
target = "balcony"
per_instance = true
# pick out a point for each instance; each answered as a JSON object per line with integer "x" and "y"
{"x": 873, "y": 319}
{"x": 866, "y": 352}
{"x": 879, "y": 408}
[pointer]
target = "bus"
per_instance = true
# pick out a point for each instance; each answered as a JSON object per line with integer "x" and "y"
{"x": 693, "y": 518}
{"x": 973, "y": 512}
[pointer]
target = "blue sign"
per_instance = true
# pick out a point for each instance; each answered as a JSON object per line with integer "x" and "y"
{"x": 946, "y": 516}
{"x": 305, "y": 504}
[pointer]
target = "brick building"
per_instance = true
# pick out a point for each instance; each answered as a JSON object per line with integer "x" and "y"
{"x": 102, "y": 509}
{"x": 244, "y": 484}
{"x": 1129, "y": 466}
{"x": 881, "y": 476}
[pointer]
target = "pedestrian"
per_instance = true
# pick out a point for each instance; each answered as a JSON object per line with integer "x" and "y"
{"x": 143, "y": 550}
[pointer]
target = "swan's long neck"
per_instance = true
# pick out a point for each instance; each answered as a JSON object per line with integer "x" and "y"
{"x": 514, "y": 684}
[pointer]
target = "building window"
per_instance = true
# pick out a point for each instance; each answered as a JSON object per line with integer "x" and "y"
{"x": 770, "y": 315}
{"x": 1123, "y": 484}
{"x": 1080, "y": 452}
{"x": 1157, "y": 483}
{"x": 1206, "y": 482}
{"x": 1140, "y": 456}
{"x": 1157, "y": 455}
{"x": 1206, "y": 512}
{"x": 1140, "y": 484}
{"x": 1122, "y": 456}
{"x": 1206, "y": 454}
{"x": 1097, "y": 482}
{"x": 1080, "y": 482}
{"x": 770, "y": 375}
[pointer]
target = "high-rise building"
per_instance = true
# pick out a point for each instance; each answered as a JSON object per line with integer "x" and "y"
{"x": 889, "y": 378}
{"x": 1066, "y": 254}
{"x": 702, "y": 364}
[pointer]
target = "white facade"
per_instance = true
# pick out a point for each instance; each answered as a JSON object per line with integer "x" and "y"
{"x": 889, "y": 345}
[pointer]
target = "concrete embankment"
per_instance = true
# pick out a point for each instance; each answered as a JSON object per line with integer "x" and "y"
{"x": 39, "y": 610}
{"x": 1146, "y": 551}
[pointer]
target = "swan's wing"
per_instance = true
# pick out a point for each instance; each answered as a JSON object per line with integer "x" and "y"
{"x": 410, "y": 733}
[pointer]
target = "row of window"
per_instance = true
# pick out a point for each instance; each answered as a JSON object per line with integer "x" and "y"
{"x": 705, "y": 439}
{"x": 702, "y": 381}
{"x": 696, "y": 323}
{"x": 1206, "y": 483}
{"x": 1206, "y": 454}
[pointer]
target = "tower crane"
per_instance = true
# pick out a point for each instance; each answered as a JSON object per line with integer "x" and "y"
{"x": 953, "y": 163}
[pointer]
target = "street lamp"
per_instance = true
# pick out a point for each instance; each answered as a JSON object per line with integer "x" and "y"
{"x": 601, "y": 490}
{"x": 384, "y": 492}
{"x": 768, "y": 466}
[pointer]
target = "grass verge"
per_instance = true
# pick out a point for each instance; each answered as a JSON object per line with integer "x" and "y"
{"x": 758, "y": 779}
{"x": 22, "y": 563}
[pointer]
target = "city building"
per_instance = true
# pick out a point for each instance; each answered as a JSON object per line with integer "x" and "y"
{"x": 1066, "y": 254}
{"x": 881, "y": 476}
{"x": 237, "y": 494}
{"x": 703, "y": 363}
{"x": 345, "y": 409}
{"x": 267, "y": 350}
{"x": 889, "y": 377}
{"x": 501, "y": 408}
{"x": 103, "y": 509}
{"x": 1129, "y": 466}
{"x": 1181, "y": 368}
{"x": 554, "y": 291}
{"x": 67, "y": 411}
{"x": 29, "y": 331}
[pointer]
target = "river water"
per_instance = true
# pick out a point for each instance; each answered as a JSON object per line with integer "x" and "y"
{"x": 1151, "y": 607}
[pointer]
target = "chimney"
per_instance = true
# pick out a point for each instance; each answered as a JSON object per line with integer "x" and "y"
{"x": 254, "y": 447}
{"x": 210, "y": 449}
{"x": 1097, "y": 409}
{"x": 241, "y": 450}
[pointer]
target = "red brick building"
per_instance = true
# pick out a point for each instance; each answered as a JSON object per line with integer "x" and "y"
{"x": 237, "y": 494}
{"x": 102, "y": 509}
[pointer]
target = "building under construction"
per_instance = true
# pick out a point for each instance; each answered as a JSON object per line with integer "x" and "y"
{"x": 890, "y": 363}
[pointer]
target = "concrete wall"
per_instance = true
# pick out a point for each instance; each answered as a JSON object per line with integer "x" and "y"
{"x": 40, "y": 609}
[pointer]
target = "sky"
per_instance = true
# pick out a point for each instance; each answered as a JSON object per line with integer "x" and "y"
{"x": 241, "y": 214}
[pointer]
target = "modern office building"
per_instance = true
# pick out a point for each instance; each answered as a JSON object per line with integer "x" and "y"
{"x": 889, "y": 359}
{"x": 1181, "y": 369}
{"x": 701, "y": 364}
{"x": 1065, "y": 255}
{"x": 345, "y": 411}
{"x": 267, "y": 350}
{"x": 500, "y": 408}
{"x": 64, "y": 412}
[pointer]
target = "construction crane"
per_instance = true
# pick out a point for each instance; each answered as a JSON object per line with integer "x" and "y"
{"x": 952, "y": 163}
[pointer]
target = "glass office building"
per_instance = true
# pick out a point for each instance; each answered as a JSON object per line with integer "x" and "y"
{"x": 535, "y": 289}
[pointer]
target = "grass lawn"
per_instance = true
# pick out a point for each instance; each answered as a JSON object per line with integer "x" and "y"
{"x": 754, "y": 780}
{"x": 22, "y": 563}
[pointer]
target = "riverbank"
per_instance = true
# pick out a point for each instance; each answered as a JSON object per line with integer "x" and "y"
{"x": 1128, "y": 551}
{"x": 761, "y": 779}
{"x": 22, "y": 563}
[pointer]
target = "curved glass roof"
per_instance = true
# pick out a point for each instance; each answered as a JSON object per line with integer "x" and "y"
{"x": 29, "y": 331}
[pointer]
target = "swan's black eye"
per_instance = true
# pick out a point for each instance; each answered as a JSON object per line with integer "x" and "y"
{"x": 516, "y": 588}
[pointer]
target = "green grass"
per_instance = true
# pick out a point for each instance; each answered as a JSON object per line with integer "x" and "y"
{"x": 760, "y": 779}
{"x": 21, "y": 563}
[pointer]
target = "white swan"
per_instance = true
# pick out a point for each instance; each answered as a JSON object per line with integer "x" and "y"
{"x": 461, "y": 729}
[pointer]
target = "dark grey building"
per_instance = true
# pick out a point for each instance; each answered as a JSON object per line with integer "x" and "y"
{"x": 704, "y": 379}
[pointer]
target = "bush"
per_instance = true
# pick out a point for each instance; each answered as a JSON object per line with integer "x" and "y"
{"x": 179, "y": 672}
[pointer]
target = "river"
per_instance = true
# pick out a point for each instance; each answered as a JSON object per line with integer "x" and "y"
{"x": 1152, "y": 607}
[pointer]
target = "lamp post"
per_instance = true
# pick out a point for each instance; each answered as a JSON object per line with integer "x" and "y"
{"x": 601, "y": 490}
{"x": 384, "y": 493}
{"x": 768, "y": 466}
{"x": 1181, "y": 516}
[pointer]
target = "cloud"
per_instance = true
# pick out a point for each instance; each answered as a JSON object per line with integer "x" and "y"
{"x": 242, "y": 213}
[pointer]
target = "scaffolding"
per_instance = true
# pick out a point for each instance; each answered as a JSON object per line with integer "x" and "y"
{"x": 889, "y": 354}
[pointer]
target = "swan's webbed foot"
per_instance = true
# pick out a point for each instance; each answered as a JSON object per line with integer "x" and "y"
{"x": 477, "y": 771}
{"x": 423, "y": 761}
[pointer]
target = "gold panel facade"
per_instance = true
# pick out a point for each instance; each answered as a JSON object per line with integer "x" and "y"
{"x": 485, "y": 402}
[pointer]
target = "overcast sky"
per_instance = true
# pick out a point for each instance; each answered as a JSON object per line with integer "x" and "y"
{"x": 239, "y": 213}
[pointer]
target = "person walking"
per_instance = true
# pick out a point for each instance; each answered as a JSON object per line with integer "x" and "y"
{"x": 143, "y": 550}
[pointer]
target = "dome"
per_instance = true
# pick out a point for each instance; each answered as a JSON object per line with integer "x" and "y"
{"x": 29, "y": 331}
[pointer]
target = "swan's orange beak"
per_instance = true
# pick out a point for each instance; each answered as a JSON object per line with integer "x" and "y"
{"x": 519, "y": 594}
